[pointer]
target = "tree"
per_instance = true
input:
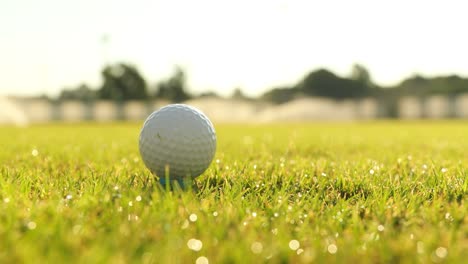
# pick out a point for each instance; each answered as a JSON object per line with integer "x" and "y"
{"x": 326, "y": 84}
{"x": 415, "y": 85}
{"x": 421, "y": 86}
{"x": 82, "y": 93}
{"x": 360, "y": 74}
{"x": 280, "y": 95}
{"x": 122, "y": 82}
{"x": 173, "y": 89}
{"x": 238, "y": 94}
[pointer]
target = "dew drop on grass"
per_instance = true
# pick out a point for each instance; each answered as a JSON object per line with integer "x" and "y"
{"x": 444, "y": 170}
{"x": 185, "y": 225}
{"x": 274, "y": 231}
{"x": 31, "y": 225}
{"x": 381, "y": 228}
{"x": 372, "y": 172}
{"x": 193, "y": 218}
{"x": 138, "y": 198}
{"x": 35, "y": 152}
{"x": 215, "y": 213}
{"x": 276, "y": 214}
{"x": 130, "y": 203}
{"x": 441, "y": 252}
{"x": 294, "y": 244}
{"x": 448, "y": 217}
{"x": 202, "y": 260}
{"x": 332, "y": 249}
{"x": 256, "y": 247}
{"x": 299, "y": 251}
{"x": 69, "y": 197}
{"x": 6, "y": 200}
{"x": 194, "y": 244}
{"x": 254, "y": 214}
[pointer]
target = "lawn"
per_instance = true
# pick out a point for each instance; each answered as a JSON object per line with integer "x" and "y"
{"x": 320, "y": 192}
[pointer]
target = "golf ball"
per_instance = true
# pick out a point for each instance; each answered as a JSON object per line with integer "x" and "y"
{"x": 179, "y": 140}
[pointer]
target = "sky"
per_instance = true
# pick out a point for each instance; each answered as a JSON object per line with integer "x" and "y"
{"x": 252, "y": 44}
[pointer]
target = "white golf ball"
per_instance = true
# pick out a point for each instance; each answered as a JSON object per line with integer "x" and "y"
{"x": 178, "y": 139}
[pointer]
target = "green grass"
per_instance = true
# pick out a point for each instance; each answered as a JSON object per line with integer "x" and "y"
{"x": 373, "y": 192}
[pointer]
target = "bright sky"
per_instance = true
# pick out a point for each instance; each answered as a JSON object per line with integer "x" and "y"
{"x": 253, "y": 44}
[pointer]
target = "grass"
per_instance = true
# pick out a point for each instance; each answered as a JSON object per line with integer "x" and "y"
{"x": 300, "y": 193}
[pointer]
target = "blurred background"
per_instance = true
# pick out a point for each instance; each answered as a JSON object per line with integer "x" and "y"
{"x": 238, "y": 61}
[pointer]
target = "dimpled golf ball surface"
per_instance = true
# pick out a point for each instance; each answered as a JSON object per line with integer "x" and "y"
{"x": 179, "y": 137}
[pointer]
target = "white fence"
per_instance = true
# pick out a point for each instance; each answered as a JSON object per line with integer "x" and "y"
{"x": 433, "y": 107}
{"x": 23, "y": 111}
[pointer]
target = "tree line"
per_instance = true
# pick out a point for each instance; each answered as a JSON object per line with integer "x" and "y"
{"x": 123, "y": 82}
